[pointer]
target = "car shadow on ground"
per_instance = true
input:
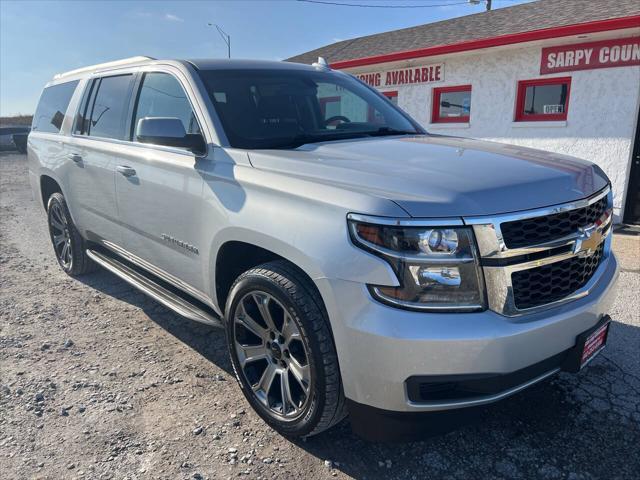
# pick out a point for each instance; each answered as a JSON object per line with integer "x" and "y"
{"x": 208, "y": 341}
{"x": 560, "y": 426}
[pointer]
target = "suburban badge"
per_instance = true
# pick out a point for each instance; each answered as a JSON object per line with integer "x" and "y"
{"x": 179, "y": 243}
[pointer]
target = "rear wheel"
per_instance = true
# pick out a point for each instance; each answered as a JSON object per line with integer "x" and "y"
{"x": 282, "y": 350}
{"x": 68, "y": 244}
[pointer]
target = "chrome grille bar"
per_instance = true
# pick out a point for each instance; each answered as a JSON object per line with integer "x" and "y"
{"x": 491, "y": 246}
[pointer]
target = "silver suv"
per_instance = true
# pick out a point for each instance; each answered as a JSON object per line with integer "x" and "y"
{"x": 357, "y": 263}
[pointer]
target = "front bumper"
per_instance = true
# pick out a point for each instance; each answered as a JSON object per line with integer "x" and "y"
{"x": 381, "y": 348}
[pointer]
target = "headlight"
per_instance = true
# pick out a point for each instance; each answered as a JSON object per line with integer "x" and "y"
{"x": 437, "y": 267}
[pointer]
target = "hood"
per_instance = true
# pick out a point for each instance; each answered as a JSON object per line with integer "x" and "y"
{"x": 437, "y": 176}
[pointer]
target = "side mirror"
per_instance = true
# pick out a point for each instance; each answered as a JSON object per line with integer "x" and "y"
{"x": 168, "y": 131}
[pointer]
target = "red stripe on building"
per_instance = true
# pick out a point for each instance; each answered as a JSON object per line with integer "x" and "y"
{"x": 509, "y": 39}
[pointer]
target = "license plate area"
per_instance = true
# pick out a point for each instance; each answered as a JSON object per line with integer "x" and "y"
{"x": 594, "y": 344}
{"x": 588, "y": 345}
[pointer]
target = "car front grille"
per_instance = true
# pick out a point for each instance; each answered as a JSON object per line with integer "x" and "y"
{"x": 538, "y": 259}
{"x": 537, "y": 230}
{"x": 555, "y": 281}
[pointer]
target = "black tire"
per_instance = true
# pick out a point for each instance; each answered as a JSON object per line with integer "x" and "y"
{"x": 300, "y": 303}
{"x": 74, "y": 260}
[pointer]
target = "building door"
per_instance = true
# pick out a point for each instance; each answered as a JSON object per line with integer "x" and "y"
{"x": 632, "y": 208}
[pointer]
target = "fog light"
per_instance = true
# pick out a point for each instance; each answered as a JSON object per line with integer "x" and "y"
{"x": 435, "y": 275}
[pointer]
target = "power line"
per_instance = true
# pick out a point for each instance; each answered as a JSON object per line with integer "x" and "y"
{"x": 362, "y": 5}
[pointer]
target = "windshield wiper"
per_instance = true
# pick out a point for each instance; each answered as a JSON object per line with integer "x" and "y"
{"x": 305, "y": 138}
{"x": 382, "y": 131}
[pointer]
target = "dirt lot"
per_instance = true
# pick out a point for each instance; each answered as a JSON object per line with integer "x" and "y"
{"x": 97, "y": 381}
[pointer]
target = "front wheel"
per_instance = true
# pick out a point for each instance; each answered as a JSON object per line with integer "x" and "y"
{"x": 282, "y": 350}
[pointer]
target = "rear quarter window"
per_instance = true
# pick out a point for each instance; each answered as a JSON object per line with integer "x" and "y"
{"x": 52, "y": 107}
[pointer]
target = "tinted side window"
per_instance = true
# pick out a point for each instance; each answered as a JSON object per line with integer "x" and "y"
{"x": 110, "y": 107}
{"x": 52, "y": 107}
{"x": 161, "y": 95}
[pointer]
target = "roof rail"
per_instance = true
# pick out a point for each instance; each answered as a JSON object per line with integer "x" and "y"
{"x": 99, "y": 66}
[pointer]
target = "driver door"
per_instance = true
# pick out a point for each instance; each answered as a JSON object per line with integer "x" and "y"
{"x": 159, "y": 190}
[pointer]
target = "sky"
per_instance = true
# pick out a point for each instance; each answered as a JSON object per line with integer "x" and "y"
{"x": 41, "y": 38}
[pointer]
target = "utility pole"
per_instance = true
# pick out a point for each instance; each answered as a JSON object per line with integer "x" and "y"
{"x": 488, "y": 5}
{"x": 225, "y": 37}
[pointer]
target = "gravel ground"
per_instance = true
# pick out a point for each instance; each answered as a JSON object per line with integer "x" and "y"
{"x": 98, "y": 381}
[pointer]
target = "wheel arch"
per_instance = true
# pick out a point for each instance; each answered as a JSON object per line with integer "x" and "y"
{"x": 236, "y": 253}
{"x": 48, "y": 186}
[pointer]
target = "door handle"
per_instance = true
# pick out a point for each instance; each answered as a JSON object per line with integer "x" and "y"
{"x": 125, "y": 170}
{"x": 75, "y": 157}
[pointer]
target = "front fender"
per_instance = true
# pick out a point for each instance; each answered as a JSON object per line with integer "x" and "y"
{"x": 301, "y": 221}
{"x": 318, "y": 256}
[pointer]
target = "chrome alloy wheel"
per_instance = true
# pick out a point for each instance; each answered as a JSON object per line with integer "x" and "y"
{"x": 61, "y": 235}
{"x": 272, "y": 355}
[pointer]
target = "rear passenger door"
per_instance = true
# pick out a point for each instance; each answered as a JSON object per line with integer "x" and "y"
{"x": 101, "y": 124}
{"x": 159, "y": 190}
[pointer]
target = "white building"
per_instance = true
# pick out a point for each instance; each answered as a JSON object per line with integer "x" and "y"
{"x": 559, "y": 75}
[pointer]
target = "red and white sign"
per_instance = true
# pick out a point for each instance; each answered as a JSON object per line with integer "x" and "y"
{"x": 620, "y": 52}
{"x": 594, "y": 344}
{"x": 404, "y": 76}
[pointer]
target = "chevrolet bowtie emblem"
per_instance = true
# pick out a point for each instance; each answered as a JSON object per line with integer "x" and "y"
{"x": 588, "y": 240}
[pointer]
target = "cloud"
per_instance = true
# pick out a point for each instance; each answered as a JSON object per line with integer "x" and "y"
{"x": 173, "y": 18}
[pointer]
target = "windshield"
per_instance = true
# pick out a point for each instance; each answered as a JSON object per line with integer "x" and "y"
{"x": 288, "y": 108}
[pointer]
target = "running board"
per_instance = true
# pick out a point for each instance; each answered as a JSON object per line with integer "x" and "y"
{"x": 154, "y": 290}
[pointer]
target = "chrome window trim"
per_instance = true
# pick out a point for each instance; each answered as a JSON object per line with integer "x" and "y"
{"x": 129, "y": 143}
{"x": 169, "y": 69}
{"x": 498, "y": 278}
